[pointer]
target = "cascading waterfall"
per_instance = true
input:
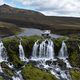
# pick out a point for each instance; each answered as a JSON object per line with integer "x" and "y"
{"x": 59, "y": 73}
{"x": 3, "y": 53}
{"x": 63, "y": 54}
{"x": 67, "y": 63}
{"x": 21, "y": 53}
{"x": 43, "y": 51}
{"x": 35, "y": 50}
{"x": 63, "y": 51}
{"x": 18, "y": 76}
{"x": 1, "y": 69}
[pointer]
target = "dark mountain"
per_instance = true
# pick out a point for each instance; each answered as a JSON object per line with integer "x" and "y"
{"x": 29, "y": 18}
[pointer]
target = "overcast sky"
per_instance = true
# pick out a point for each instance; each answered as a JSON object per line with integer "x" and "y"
{"x": 48, "y": 7}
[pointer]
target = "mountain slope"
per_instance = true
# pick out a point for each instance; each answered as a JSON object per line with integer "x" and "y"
{"x": 28, "y": 18}
{"x": 8, "y": 29}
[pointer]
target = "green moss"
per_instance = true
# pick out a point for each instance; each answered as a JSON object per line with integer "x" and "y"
{"x": 11, "y": 45}
{"x": 75, "y": 74}
{"x": 74, "y": 59}
{"x": 28, "y": 43}
{"x": 57, "y": 44}
{"x": 1, "y": 78}
{"x": 30, "y": 72}
{"x": 73, "y": 52}
{"x": 7, "y": 70}
{"x": 9, "y": 28}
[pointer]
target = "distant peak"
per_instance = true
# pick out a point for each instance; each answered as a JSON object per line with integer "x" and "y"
{"x": 5, "y": 5}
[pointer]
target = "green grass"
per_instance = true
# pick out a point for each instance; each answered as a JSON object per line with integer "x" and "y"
{"x": 75, "y": 74}
{"x": 9, "y": 29}
{"x": 1, "y": 78}
{"x": 30, "y": 72}
{"x": 11, "y": 45}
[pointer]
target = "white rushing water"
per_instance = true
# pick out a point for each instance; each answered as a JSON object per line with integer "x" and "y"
{"x": 63, "y": 54}
{"x": 18, "y": 76}
{"x": 21, "y": 53}
{"x": 60, "y": 74}
{"x": 3, "y": 53}
{"x": 1, "y": 69}
{"x": 44, "y": 51}
{"x": 10, "y": 65}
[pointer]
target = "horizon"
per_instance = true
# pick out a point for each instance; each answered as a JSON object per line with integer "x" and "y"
{"x": 63, "y": 8}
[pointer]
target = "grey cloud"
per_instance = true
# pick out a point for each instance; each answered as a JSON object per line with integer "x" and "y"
{"x": 59, "y": 7}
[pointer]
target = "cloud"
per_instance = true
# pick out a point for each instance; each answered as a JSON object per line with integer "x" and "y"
{"x": 54, "y": 7}
{"x": 1, "y": 2}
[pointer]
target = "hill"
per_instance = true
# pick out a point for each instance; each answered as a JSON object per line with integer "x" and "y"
{"x": 33, "y": 19}
{"x": 8, "y": 29}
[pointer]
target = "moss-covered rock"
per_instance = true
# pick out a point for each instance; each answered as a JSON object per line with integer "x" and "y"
{"x": 28, "y": 43}
{"x": 57, "y": 44}
{"x": 73, "y": 52}
{"x": 75, "y": 74}
{"x": 30, "y": 72}
{"x": 9, "y": 72}
{"x": 11, "y": 45}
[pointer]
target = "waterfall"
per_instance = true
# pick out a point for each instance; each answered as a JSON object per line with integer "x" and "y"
{"x": 18, "y": 76}
{"x": 15, "y": 78}
{"x": 43, "y": 53}
{"x": 1, "y": 69}
{"x": 35, "y": 50}
{"x": 63, "y": 54}
{"x": 21, "y": 53}
{"x": 63, "y": 51}
{"x": 44, "y": 50}
{"x": 10, "y": 65}
{"x": 60, "y": 74}
{"x": 3, "y": 53}
{"x": 67, "y": 63}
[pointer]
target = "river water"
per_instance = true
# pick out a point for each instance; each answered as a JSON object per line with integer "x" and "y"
{"x": 33, "y": 31}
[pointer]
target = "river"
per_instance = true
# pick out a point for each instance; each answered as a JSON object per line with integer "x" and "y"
{"x": 33, "y": 31}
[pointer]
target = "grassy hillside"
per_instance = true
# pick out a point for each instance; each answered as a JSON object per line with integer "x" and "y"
{"x": 30, "y": 72}
{"x": 7, "y": 29}
{"x": 28, "y": 18}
